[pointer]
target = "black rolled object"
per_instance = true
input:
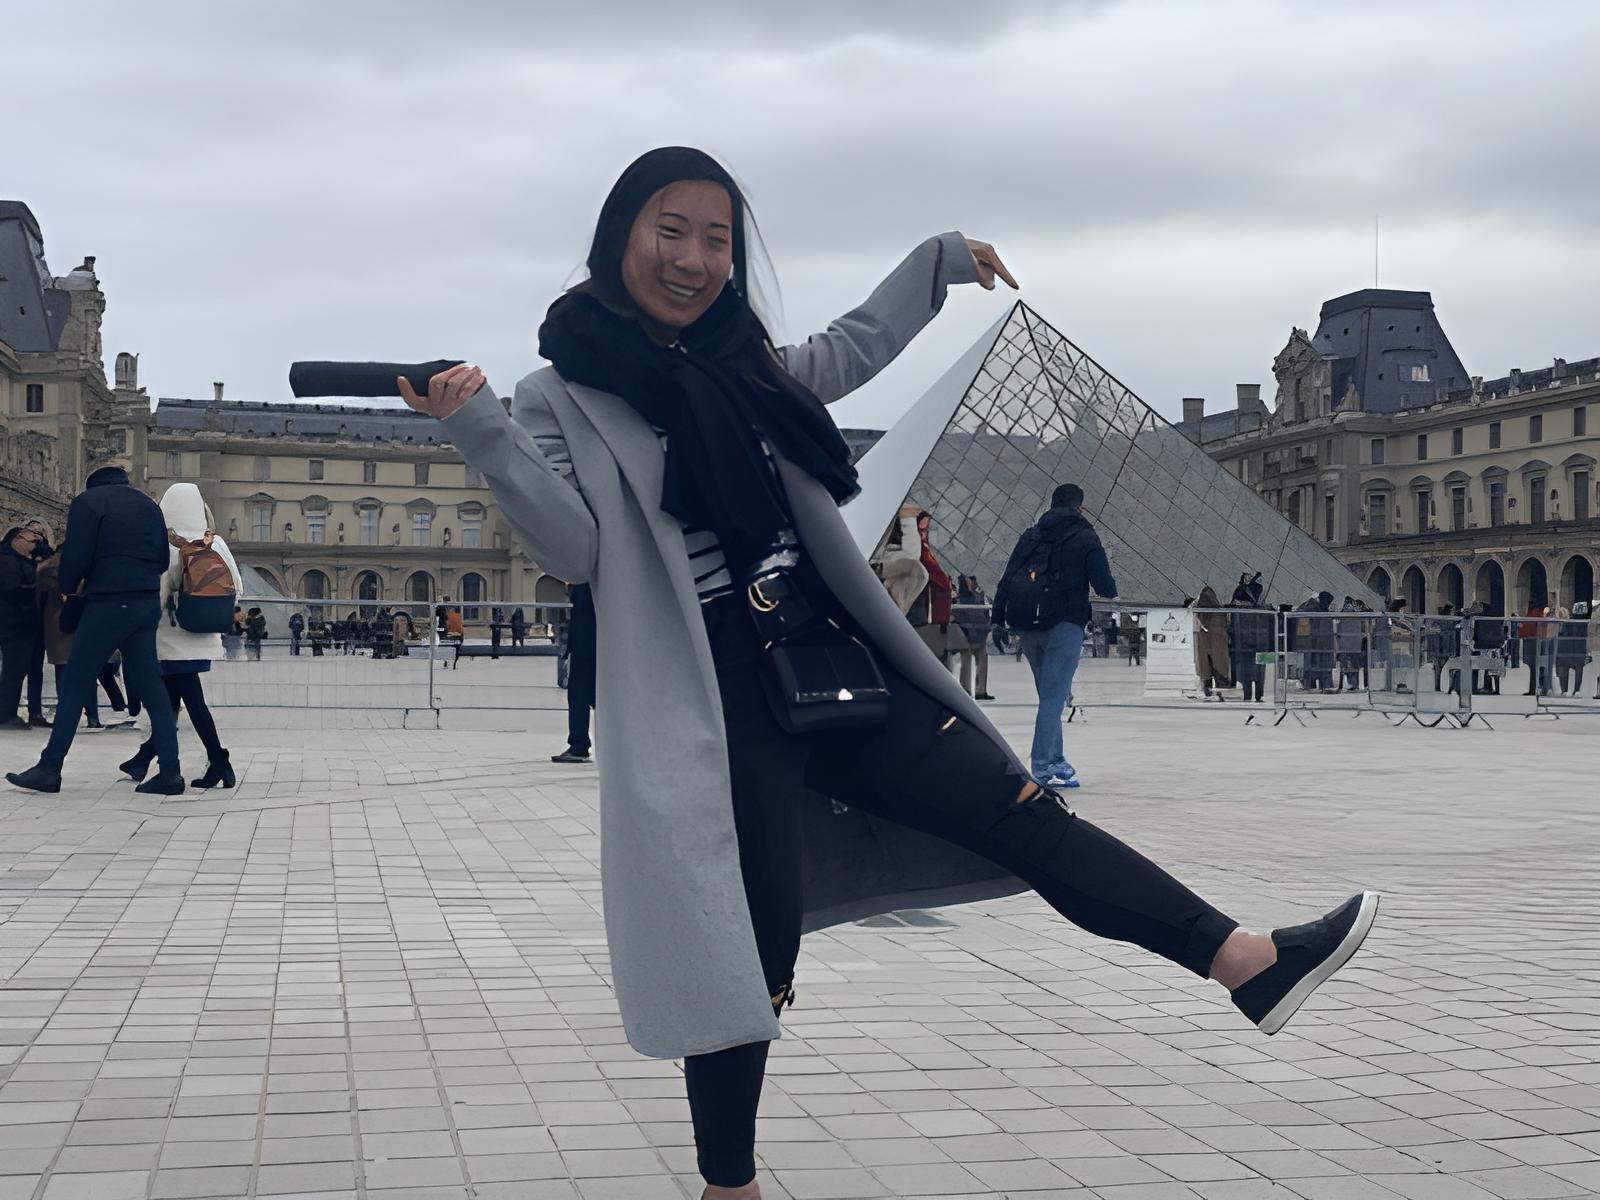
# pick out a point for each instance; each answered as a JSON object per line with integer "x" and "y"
{"x": 363, "y": 378}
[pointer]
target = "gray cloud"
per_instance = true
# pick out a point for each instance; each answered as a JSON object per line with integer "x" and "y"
{"x": 1176, "y": 183}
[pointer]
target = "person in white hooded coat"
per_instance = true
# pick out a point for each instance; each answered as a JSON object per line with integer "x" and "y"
{"x": 185, "y": 656}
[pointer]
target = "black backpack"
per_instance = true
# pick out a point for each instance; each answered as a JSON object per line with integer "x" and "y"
{"x": 1032, "y": 599}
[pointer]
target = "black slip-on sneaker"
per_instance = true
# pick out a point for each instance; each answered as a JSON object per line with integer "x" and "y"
{"x": 1308, "y": 955}
{"x": 569, "y": 757}
{"x": 38, "y": 778}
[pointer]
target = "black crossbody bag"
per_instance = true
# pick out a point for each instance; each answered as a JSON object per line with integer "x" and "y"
{"x": 816, "y": 675}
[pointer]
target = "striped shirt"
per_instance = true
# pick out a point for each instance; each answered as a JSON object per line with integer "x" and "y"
{"x": 709, "y": 563}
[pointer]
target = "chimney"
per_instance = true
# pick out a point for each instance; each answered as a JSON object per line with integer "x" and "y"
{"x": 1248, "y": 398}
{"x": 1194, "y": 410}
{"x": 1559, "y": 371}
{"x": 216, "y": 391}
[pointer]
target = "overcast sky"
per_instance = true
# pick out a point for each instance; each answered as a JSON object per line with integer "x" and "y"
{"x": 1175, "y": 184}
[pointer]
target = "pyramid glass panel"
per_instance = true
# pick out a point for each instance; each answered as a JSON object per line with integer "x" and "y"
{"x": 1039, "y": 412}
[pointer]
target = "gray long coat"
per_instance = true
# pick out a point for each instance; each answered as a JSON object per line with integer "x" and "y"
{"x": 578, "y": 473}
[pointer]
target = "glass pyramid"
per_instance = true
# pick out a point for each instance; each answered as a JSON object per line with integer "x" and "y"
{"x": 1038, "y": 412}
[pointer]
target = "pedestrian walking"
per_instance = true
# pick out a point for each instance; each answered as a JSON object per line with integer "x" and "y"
{"x": 1488, "y": 645}
{"x": 1572, "y": 647}
{"x": 57, "y": 638}
{"x": 519, "y": 627}
{"x": 976, "y": 620}
{"x": 1044, "y": 596}
{"x": 497, "y": 620}
{"x": 1131, "y": 634}
{"x": 186, "y": 656}
{"x": 1250, "y": 635}
{"x": 255, "y": 632}
{"x": 1350, "y": 638}
{"x": 21, "y": 628}
{"x": 1535, "y": 645}
{"x": 580, "y": 652}
{"x": 929, "y": 609}
{"x": 233, "y": 640}
{"x": 1211, "y": 658}
{"x": 713, "y": 760}
{"x": 297, "y": 626}
{"x": 116, "y": 550}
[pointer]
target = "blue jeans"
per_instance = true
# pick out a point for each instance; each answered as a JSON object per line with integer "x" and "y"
{"x": 1053, "y": 655}
{"x": 111, "y": 623}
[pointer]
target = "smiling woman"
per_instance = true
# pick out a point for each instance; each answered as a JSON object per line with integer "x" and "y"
{"x": 686, "y": 469}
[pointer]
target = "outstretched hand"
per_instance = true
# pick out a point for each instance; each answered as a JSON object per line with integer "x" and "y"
{"x": 989, "y": 265}
{"x": 447, "y": 391}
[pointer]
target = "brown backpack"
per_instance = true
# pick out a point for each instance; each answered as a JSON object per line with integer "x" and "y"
{"x": 206, "y": 597}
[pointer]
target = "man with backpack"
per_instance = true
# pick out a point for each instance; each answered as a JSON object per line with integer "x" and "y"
{"x": 1044, "y": 597}
{"x": 117, "y": 548}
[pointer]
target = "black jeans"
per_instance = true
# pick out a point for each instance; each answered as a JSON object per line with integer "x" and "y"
{"x": 17, "y": 648}
{"x": 186, "y": 690}
{"x": 962, "y": 788}
{"x": 108, "y": 680}
{"x": 580, "y": 699}
{"x": 1252, "y": 676}
{"x": 91, "y": 705}
{"x": 111, "y": 623}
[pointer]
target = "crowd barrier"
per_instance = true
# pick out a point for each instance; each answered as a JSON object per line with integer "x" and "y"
{"x": 1269, "y": 664}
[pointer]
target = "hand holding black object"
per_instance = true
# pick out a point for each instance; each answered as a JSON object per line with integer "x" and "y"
{"x": 361, "y": 378}
{"x": 447, "y": 391}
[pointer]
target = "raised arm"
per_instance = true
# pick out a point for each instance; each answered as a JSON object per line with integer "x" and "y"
{"x": 526, "y": 464}
{"x": 866, "y": 339}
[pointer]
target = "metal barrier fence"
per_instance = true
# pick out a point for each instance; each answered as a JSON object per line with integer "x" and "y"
{"x": 324, "y": 654}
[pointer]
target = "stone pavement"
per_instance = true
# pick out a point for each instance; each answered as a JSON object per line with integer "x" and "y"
{"x": 378, "y": 970}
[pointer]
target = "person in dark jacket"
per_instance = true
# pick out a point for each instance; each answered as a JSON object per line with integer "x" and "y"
{"x": 255, "y": 632}
{"x": 116, "y": 549}
{"x": 297, "y": 626}
{"x": 972, "y": 612}
{"x": 581, "y": 650}
{"x": 1053, "y": 640}
{"x": 519, "y": 627}
{"x": 1442, "y": 643}
{"x": 1488, "y": 648}
{"x": 44, "y": 551}
{"x": 1572, "y": 647}
{"x": 21, "y": 630}
{"x": 1351, "y": 636}
{"x": 1250, "y": 633}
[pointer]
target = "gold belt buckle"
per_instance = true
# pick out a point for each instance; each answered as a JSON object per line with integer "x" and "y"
{"x": 759, "y": 600}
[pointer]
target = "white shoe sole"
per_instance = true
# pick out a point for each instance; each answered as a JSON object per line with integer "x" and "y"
{"x": 1301, "y": 992}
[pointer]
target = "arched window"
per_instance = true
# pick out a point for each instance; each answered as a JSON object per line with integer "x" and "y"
{"x": 473, "y": 589}
{"x": 314, "y": 586}
{"x": 368, "y": 586}
{"x": 419, "y": 587}
{"x": 1414, "y": 587}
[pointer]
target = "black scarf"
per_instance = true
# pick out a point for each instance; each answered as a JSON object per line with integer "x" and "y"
{"x": 718, "y": 393}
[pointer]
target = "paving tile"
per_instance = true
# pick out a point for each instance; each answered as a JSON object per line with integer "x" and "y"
{"x": 378, "y": 912}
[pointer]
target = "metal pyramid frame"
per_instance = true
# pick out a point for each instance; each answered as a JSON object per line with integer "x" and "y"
{"x": 1023, "y": 410}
